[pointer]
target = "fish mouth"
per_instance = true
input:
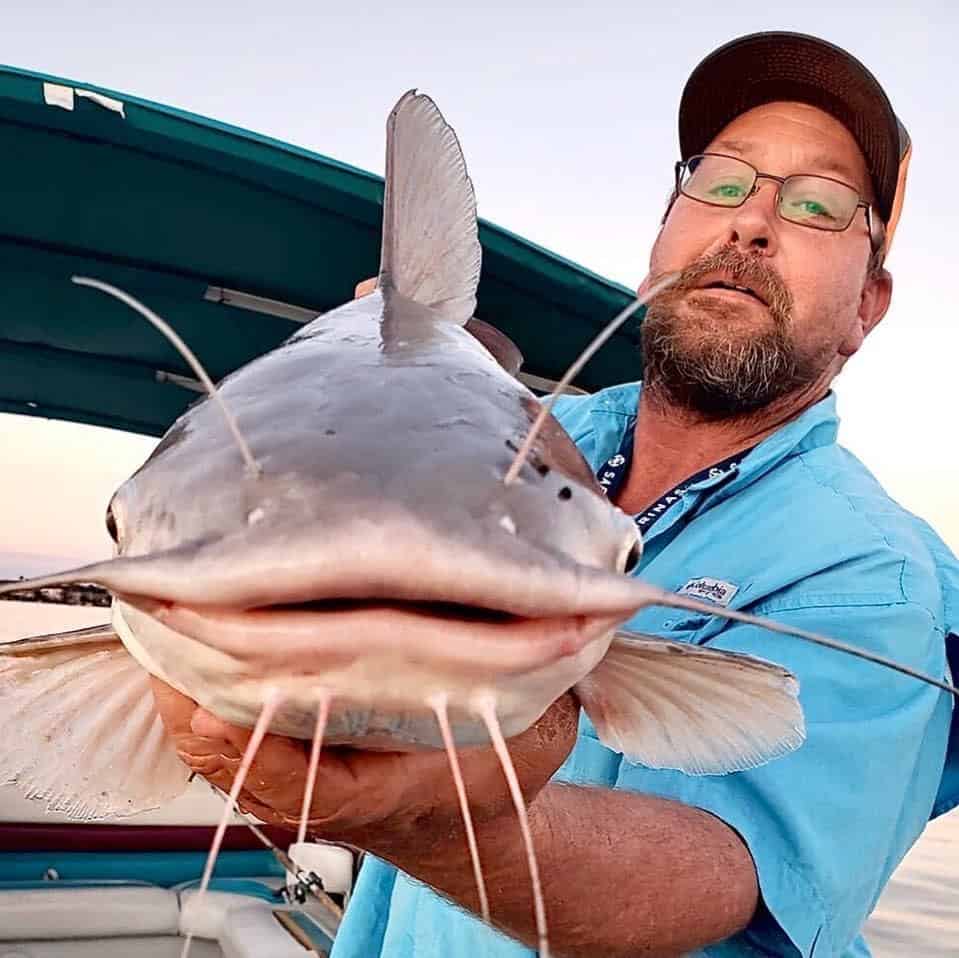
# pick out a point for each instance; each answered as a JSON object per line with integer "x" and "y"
{"x": 324, "y": 634}
{"x": 448, "y": 610}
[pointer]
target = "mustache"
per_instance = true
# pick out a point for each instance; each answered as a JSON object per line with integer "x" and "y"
{"x": 742, "y": 268}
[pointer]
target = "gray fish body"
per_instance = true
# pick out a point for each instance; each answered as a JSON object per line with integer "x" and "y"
{"x": 383, "y": 433}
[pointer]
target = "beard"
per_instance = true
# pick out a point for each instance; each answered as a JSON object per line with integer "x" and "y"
{"x": 717, "y": 368}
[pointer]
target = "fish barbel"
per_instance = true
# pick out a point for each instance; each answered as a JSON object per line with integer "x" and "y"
{"x": 371, "y": 555}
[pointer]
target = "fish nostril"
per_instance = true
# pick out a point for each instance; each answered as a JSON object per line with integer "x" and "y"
{"x": 565, "y": 493}
{"x": 630, "y": 552}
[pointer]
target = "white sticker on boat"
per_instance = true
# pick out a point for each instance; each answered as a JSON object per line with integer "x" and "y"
{"x": 107, "y": 102}
{"x": 56, "y": 94}
{"x": 710, "y": 590}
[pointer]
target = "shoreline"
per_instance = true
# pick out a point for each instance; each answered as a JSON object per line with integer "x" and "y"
{"x": 88, "y": 595}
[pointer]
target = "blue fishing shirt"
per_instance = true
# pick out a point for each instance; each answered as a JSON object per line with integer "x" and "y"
{"x": 804, "y": 534}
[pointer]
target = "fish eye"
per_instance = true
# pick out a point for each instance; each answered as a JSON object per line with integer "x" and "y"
{"x": 112, "y": 525}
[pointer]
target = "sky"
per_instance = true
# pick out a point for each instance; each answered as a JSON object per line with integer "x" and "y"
{"x": 567, "y": 116}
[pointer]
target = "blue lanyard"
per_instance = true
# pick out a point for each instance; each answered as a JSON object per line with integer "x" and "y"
{"x": 612, "y": 473}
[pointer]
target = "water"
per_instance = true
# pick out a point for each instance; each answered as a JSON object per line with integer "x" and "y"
{"x": 917, "y": 915}
{"x": 19, "y": 619}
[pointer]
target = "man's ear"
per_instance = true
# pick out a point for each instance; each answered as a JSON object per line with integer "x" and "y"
{"x": 873, "y": 304}
{"x": 875, "y": 299}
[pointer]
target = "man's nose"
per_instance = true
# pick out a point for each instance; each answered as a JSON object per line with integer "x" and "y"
{"x": 754, "y": 225}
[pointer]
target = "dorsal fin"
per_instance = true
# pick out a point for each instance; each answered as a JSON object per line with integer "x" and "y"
{"x": 431, "y": 252}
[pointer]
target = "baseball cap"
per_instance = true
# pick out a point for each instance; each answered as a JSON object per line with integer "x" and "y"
{"x": 774, "y": 66}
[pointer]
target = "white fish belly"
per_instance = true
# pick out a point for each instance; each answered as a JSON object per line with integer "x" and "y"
{"x": 378, "y": 701}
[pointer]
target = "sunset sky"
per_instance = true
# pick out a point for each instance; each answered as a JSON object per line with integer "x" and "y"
{"x": 567, "y": 115}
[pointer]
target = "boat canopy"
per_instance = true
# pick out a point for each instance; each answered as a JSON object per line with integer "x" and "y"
{"x": 234, "y": 238}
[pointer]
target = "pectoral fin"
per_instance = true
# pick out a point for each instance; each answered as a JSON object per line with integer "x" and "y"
{"x": 687, "y": 707}
{"x": 94, "y": 635}
{"x": 80, "y": 728}
{"x": 502, "y": 348}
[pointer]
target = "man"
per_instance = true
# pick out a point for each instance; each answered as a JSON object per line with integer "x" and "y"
{"x": 787, "y": 196}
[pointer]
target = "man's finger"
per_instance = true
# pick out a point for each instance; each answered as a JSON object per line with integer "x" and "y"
{"x": 175, "y": 709}
{"x": 278, "y": 772}
{"x": 365, "y": 288}
{"x": 207, "y": 756}
{"x": 199, "y": 746}
{"x": 277, "y": 754}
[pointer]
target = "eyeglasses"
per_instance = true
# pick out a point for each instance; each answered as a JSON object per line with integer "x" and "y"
{"x": 806, "y": 199}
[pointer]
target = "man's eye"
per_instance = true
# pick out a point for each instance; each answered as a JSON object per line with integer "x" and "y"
{"x": 726, "y": 191}
{"x": 811, "y": 209}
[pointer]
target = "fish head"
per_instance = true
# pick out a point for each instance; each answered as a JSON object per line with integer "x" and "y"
{"x": 380, "y": 509}
{"x": 380, "y": 434}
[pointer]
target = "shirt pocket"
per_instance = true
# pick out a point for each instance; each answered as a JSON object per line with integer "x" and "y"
{"x": 698, "y": 628}
{"x": 686, "y": 626}
{"x": 677, "y": 625}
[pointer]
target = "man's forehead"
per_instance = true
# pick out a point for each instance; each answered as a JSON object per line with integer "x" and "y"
{"x": 788, "y": 137}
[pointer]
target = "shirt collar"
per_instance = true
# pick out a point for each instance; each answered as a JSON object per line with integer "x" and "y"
{"x": 614, "y": 414}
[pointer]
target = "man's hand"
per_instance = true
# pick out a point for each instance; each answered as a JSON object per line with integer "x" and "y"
{"x": 624, "y": 874}
{"x": 364, "y": 288}
{"x": 379, "y": 801}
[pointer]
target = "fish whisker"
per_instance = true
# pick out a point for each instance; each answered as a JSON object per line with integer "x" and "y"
{"x": 271, "y": 703}
{"x": 181, "y": 347}
{"x": 584, "y": 357}
{"x": 438, "y": 703}
{"x": 322, "y": 713}
{"x": 485, "y": 706}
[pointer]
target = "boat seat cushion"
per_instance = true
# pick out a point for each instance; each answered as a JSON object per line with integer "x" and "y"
{"x": 57, "y": 913}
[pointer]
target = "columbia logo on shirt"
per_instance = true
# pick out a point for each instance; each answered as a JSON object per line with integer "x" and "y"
{"x": 710, "y": 590}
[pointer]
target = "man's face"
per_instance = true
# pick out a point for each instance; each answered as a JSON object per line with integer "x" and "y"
{"x": 723, "y": 352}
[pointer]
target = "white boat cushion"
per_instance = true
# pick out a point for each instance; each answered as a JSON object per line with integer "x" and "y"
{"x": 156, "y": 946}
{"x": 94, "y": 912}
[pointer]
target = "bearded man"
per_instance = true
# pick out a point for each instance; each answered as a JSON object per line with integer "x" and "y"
{"x": 792, "y": 171}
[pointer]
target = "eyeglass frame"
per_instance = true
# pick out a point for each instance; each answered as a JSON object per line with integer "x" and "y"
{"x": 874, "y": 224}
